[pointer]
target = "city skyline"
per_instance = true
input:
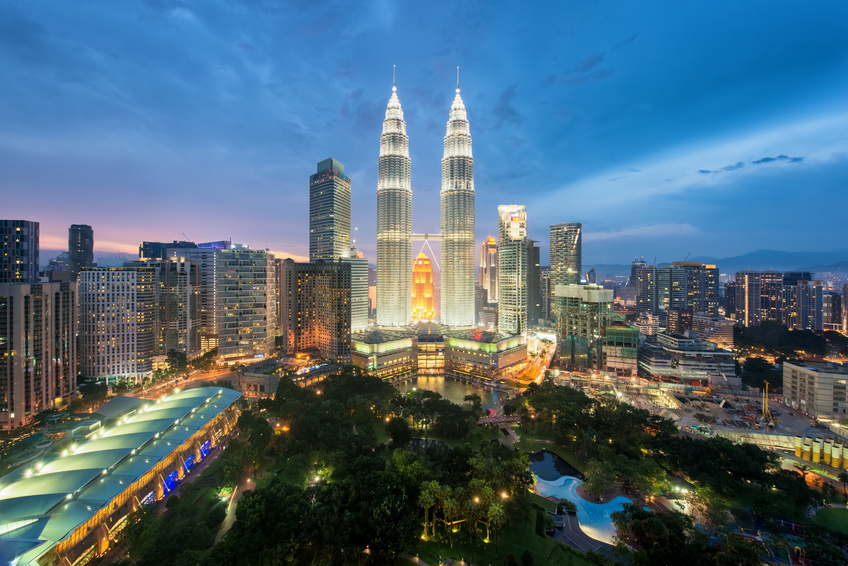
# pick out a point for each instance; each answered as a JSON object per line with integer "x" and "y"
{"x": 149, "y": 139}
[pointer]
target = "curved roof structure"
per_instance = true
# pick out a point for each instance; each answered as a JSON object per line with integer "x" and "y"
{"x": 46, "y": 501}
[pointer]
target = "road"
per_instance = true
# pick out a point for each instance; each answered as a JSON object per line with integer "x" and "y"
{"x": 193, "y": 380}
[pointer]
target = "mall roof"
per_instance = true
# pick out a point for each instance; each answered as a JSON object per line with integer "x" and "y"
{"x": 64, "y": 491}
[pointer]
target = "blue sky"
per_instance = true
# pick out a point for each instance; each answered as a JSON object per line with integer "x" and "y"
{"x": 665, "y": 127}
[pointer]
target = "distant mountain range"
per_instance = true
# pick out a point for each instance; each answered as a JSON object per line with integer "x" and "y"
{"x": 817, "y": 262}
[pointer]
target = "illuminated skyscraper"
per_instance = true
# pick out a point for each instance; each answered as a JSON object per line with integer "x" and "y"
{"x": 489, "y": 269}
{"x": 394, "y": 220}
{"x": 80, "y": 248}
{"x": 18, "y": 251}
{"x": 329, "y": 212}
{"x": 566, "y": 253}
{"x": 512, "y": 268}
{"x": 457, "y": 220}
{"x": 423, "y": 309}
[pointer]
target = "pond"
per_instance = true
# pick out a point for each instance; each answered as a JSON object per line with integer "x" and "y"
{"x": 550, "y": 466}
{"x": 451, "y": 389}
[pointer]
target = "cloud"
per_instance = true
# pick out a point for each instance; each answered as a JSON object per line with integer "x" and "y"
{"x": 505, "y": 110}
{"x": 738, "y": 165}
{"x": 588, "y": 63}
{"x": 649, "y": 231}
{"x": 626, "y": 42}
{"x": 778, "y": 158}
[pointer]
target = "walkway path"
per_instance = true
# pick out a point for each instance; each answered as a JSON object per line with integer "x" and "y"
{"x": 244, "y": 484}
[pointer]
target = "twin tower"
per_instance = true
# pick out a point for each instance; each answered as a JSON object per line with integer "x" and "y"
{"x": 394, "y": 221}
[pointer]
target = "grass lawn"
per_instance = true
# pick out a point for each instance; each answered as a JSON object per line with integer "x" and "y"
{"x": 542, "y": 502}
{"x": 532, "y": 445}
{"x": 513, "y": 540}
{"x": 834, "y": 518}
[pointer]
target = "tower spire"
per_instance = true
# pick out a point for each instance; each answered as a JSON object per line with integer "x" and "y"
{"x": 394, "y": 75}
{"x": 457, "y": 79}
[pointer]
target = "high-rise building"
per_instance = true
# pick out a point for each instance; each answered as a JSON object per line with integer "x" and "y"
{"x": 818, "y": 389}
{"x": 177, "y": 289}
{"x": 758, "y": 297}
{"x": 802, "y": 302}
{"x": 678, "y": 320}
{"x": 159, "y": 250}
{"x": 359, "y": 299}
{"x": 423, "y": 309}
{"x": 329, "y": 212}
{"x": 247, "y": 295}
{"x": 80, "y": 248}
{"x": 634, "y": 271}
{"x": 394, "y": 220}
{"x": 512, "y": 269}
{"x": 730, "y": 300}
{"x": 457, "y": 195}
{"x": 316, "y": 308}
{"x": 701, "y": 286}
{"x": 117, "y": 322}
{"x": 18, "y": 251}
{"x": 546, "y": 293}
{"x": 207, "y": 260}
{"x": 38, "y": 349}
{"x": 566, "y": 253}
{"x": 585, "y": 311}
{"x": 832, "y": 310}
{"x": 534, "y": 284}
{"x": 646, "y": 287}
{"x": 488, "y": 274}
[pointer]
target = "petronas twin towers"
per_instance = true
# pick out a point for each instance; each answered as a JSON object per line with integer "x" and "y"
{"x": 394, "y": 221}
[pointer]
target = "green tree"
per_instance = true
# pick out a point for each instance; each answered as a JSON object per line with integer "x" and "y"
{"x": 177, "y": 362}
{"x": 399, "y": 430}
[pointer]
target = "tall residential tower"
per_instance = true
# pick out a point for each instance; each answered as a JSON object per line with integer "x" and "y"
{"x": 80, "y": 248}
{"x": 457, "y": 220}
{"x": 394, "y": 221}
{"x": 512, "y": 271}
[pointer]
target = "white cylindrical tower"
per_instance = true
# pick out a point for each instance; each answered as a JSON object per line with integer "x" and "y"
{"x": 394, "y": 221}
{"x": 457, "y": 198}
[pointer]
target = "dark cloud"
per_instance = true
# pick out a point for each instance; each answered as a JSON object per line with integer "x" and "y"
{"x": 505, "y": 111}
{"x": 588, "y": 63}
{"x": 778, "y": 158}
{"x": 626, "y": 42}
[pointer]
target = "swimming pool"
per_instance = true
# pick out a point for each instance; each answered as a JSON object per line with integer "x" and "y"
{"x": 594, "y": 518}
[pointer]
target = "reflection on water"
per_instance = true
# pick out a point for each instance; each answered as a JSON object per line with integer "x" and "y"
{"x": 453, "y": 391}
{"x": 550, "y": 466}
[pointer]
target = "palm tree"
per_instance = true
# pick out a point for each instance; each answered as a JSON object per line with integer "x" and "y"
{"x": 427, "y": 500}
{"x": 843, "y": 477}
{"x": 495, "y": 519}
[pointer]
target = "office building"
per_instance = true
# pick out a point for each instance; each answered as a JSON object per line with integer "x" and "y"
{"x": 585, "y": 311}
{"x": 701, "y": 287}
{"x": 80, "y": 248}
{"x": 635, "y": 266}
{"x": 685, "y": 359}
{"x": 546, "y": 294}
{"x": 247, "y": 295}
{"x": 512, "y": 269}
{"x": 177, "y": 289}
{"x": 621, "y": 348}
{"x": 534, "y": 285}
{"x": 316, "y": 308}
{"x": 818, "y": 389}
{"x": 715, "y": 329}
{"x": 457, "y": 211}
{"x": 730, "y": 299}
{"x": 802, "y": 302}
{"x": 678, "y": 320}
{"x": 207, "y": 260}
{"x": 423, "y": 309}
{"x": 38, "y": 349}
{"x": 394, "y": 220}
{"x": 759, "y": 297}
{"x": 488, "y": 274}
{"x": 359, "y": 292}
{"x": 159, "y": 250}
{"x": 329, "y": 212}
{"x": 117, "y": 322}
{"x": 566, "y": 253}
{"x": 18, "y": 251}
{"x": 832, "y": 310}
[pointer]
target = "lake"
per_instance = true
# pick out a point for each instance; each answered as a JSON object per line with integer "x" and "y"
{"x": 452, "y": 390}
